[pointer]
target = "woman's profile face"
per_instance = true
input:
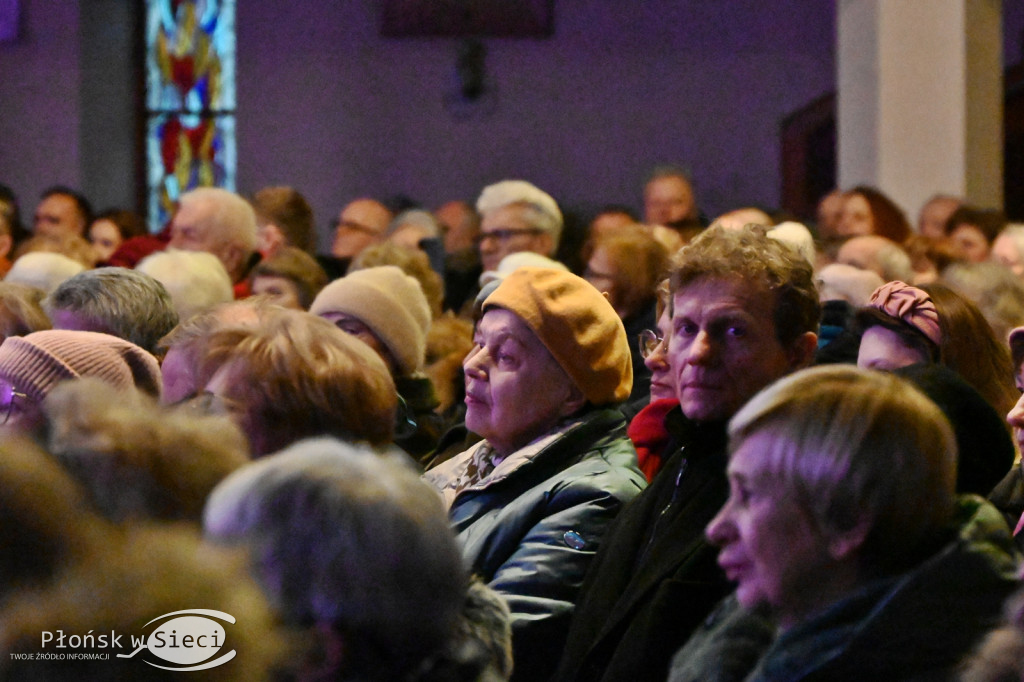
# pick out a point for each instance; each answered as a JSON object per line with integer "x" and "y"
{"x": 769, "y": 546}
{"x": 856, "y": 218}
{"x": 601, "y": 273}
{"x": 884, "y": 349}
{"x": 1015, "y": 418}
{"x": 105, "y": 238}
{"x": 663, "y": 381}
{"x": 515, "y": 390}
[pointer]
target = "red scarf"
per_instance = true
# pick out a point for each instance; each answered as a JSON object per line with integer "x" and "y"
{"x": 649, "y": 436}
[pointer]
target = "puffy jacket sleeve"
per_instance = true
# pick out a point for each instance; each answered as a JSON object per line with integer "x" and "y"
{"x": 541, "y": 579}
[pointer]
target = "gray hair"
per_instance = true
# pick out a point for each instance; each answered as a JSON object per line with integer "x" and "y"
{"x": 839, "y": 281}
{"x": 345, "y": 536}
{"x": 895, "y": 263}
{"x": 997, "y": 292}
{"x": 852, "y": 445}
{"x": 231, "y": 217}
{"x": 424, "y": 220}
{"x": 128, "y": 304}
{"x": 43, "y": 270}
{"x": 541, "y": 209}
{"x": 196, "y": 280}
{"x": 887, "y": 258}
{"x": 797, "y": 236}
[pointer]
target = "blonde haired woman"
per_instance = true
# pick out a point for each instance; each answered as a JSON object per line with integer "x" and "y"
{"x": 846, "y": 541}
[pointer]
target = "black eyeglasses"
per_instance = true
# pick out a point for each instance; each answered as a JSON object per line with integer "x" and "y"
{"x": 208, "y": 403}
{"x": 649, "y": 342}
{"x": 503, "y": 235}
{"x": 350, "y": 226}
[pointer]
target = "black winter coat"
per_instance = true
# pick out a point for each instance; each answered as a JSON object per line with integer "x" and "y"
{"x": 532, "y": 535}
{"x": 656, "y": 577}
{"x": 914, "y": 627}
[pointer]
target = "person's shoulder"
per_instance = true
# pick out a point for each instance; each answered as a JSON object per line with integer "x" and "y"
{"x": 982, "y": 534}
{"x": 609, "y": 468}
{"x": 614, "y": 455}
{"x": 726, "y": 647}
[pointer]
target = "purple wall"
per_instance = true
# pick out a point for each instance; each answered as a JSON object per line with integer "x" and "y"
{"x": 329, "y": 106}
{"x": 39, "y": 104}
{"x": 339, "y": 111}
{"x": 1013, "y": 32}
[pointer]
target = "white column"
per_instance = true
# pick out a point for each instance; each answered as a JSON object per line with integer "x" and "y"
{"x": 920, "y": 99}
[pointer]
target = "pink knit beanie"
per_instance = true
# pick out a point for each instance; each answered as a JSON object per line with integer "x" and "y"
{"x": 37, "y": 362}
{"x": 390, "y": 303}
{"x": 910, "y": 304}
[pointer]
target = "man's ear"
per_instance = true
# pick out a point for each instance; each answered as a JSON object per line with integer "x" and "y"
{"x": 801, "y": 350}
{"x": 545, "y": 244}
{"x": 845, "y": 545}
{"x": 272, "y": 239}
{"x": 234, "y": 259}
{"x": 575, "y": 402}
{"x": 6, "y": 242}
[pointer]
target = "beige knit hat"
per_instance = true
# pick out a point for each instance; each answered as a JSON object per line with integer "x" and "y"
{"x": 390, "y": 303}
{"x": 577, "y": 324}
{"x": 39, "y": 361}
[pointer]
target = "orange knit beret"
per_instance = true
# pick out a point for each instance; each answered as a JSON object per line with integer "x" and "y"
{"x": 577, "y": 324}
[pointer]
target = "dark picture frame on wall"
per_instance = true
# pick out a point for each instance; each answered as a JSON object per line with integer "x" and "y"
{"x": 460, "y": 18}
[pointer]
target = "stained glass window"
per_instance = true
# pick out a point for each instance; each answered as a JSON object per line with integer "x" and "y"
{"x": 190, "y": 100}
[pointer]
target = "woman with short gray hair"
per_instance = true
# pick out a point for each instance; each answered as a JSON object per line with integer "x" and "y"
{"x": 852, "y": 557}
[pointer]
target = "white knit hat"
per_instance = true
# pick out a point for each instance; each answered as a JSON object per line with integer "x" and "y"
{"x": 520, "y": 259}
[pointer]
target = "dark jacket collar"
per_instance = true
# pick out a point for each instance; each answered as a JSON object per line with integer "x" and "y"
{"x": 709, "y": 436}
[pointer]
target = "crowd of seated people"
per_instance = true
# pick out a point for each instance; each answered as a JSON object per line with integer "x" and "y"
{"x": 494, "y": 441}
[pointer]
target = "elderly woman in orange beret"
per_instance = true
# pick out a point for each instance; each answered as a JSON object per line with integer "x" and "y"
{"x": 531, "y": 502}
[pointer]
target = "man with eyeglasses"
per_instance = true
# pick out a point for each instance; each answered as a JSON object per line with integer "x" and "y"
{"x": 62, "y": 211}
{"x": 744, "y": 311}
{"x": 360, "y": 224}
{"x": 516, "y": 216}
